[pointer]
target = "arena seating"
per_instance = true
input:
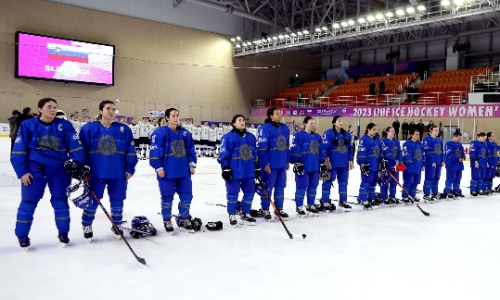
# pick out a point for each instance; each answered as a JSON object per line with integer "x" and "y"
{"x": 351, "y": 93}
{"x": 309, "y": 90}
{"x": 448, "y": 87}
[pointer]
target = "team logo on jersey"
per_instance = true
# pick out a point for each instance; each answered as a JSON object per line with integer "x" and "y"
{"x": 178, "y": 149}
{"x": 418, "y": 154}
{"x": 458, "y": 153}
{"x": 483, "y": 153}
{"x": 438, "y": 149}
{"x": 48, "y": 142}
{"x": 395, "y": 151}
{"x": 60, "y": 127}
{"x": 314, "y": 147}
{"x": 376, "y": 151}
{"x": 341, "y": 147}
{"x": 106, "y": 145}
{"x": 245, "y": 152}
{"x": 281, "y": 143}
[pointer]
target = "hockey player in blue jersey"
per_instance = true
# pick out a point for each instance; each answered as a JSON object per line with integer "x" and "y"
{"x": 368, "y": 159}
{"x": 392, "y": 155}
{"x": 414, "y": 159}
{"x": 478, "y": 156}
{"x": 273, "y": 151}
{"x": 42, "y": 146}
{"x": 454, "y": 162}
{"x": 240, "y": 167}
{"x": 174, "y": 159}
{"x": 491, "y": 171}
{"x": 306, "y": 153}
{"x": 434, "y": 161}
{"x": 339, "y": 158}
{"x": 110, "y": 153}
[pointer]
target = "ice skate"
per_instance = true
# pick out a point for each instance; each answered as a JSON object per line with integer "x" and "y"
{"x": 24, "y": 242}
{"x": 117, "y": 232}
{"x": 344, "y": 206}
{"x": 63, "y": 239}
{"x": 246, "y": 219}
{"x": 186, "y": 225}
{"x": 406, "y": 201}
{"x": 327, "y": 206}
{"x": 394, "y": 201}
{"x": 367, "y": 205}
{"x": 481, "y": 193}
{"x": 264, "y": 213}
{"x": 282, "y": 213}
{"x": 168, "y": 227}
{"x": 429, "y": 198}
{"x": 88, "y": 233}
{"x": 474, "y": 194}
{"x": 232, "y": 220}
{"x": 301, "y": 212}
{"x": 450, "y": 196}
{"x": 312, "y": 211}
{"x": 458, "y": 195}
{"x": 374, "y": 204}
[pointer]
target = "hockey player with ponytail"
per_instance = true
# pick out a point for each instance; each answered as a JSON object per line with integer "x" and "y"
{"x": 368, "y": 159}
{"x": 414, "y": 159}
{"x": 240, "y": 167}
{"x": 491, "y": 172}
{"x": 174, "y": 160}
{"x": 306, "y": 154}
{"x": 339, "y": 160}
{"x": 392, "y": 156}
{"x": 478, "y": 163}
{"x": 434, "y": 161}
{"x": 454, "y": 162}
{"x": 273, "y": 151}
{"x": 110, "y": 153}
{"x": 42, "y": 146}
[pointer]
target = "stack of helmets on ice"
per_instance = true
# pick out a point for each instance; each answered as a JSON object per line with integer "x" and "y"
{"x": 141, "y": 227}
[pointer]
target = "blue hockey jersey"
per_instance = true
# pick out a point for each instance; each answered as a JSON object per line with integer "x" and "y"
{"x": 479, "y": 153}
{"x": 273, "y": 145}
{"x": 239, "y": 153}
{"x": 492, "y": 153}
{"x": 110, "y": 152}
{"x": 307, "y": 148}
{"x": 172, "y": 150}
{"x": 453, "y": 152}
{"x": 46, "y": 143}
{"x": 369, "y": 151}
{"x": 413, "y": 156}
{"x": 339, "y": 155}
{"x": 391, "y": 151}
{"x": 433, "y": 149}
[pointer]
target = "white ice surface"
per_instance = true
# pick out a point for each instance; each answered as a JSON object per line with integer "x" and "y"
{"x": 389, "y": 253}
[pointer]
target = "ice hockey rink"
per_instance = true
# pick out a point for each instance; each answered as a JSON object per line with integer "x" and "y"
{"x": 388, "y": 253}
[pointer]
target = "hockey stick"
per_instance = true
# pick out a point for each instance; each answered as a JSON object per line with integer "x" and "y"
{"x": 115, "y": 226}
{"x": 410, "y": 197}
{"x": 215, "y": 204}
{"x": 291, "y": 236}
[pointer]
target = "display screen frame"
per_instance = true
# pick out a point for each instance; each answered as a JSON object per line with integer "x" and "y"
{"x": 17, "y": 75}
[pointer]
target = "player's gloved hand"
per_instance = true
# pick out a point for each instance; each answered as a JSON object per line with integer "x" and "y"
{"x": 383, "y": 167}
{"x": 227, "y": 173}
{"x": 257, "y": 171}
{"x": 76, "y": 171}
{"x": 323, "y": 171}
{"x": 298, "y": 168}
{"x": 365, "y": 169}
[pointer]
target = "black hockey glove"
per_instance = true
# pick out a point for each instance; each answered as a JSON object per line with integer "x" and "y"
{"x": 382, "y": 167}
{"x": 214, "y": 226}
{"x": 75, "y": 170}
{"x": 227, "y": 173}
{"x": 257, "y": 172}
{"x": 365, "y": 169}
{"x": 323, "y": 171}
{"x": 298, "y": 168}
{"x": 196, "y": 223}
